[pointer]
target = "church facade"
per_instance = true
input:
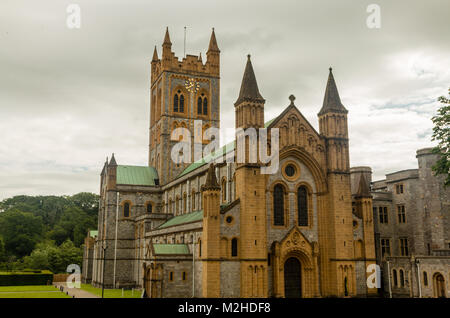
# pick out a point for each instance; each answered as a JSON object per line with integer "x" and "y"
{"x": 213, "y": 228}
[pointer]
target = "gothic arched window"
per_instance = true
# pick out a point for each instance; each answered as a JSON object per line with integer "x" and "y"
{"x": 181, "y": 103}
{"x": 302, "y": 206}
{"x": 199, "y": 106}
{"x": 175, "y": 103}
{"x": 234, "y": 247}
{"x": 278, "y": 205}
{"x": 205, "y": 106}
{"x": 394, "y": 273}
{"x": 402, "y": 278}
{"x": 224, "y": 190}
{"x": 126, "y": 209}
{"x": 149, "y": 208}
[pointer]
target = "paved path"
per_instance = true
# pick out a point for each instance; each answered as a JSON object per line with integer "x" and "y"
{"x": 75, "y": 292}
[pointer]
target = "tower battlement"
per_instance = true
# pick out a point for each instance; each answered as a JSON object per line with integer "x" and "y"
{"x": 190, "y": 64}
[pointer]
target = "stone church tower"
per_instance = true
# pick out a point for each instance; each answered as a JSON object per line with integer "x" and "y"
{"x": 249, "y": 109}
{"x": 337, "y": 252}
{"x": 181, "y": 93}
{"x": 211, "y": 235}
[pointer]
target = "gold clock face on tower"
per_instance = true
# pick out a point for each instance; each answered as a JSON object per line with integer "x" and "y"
{"x": 192, "y": 85}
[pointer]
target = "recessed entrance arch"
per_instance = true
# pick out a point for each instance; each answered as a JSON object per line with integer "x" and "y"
{"x": 292, "y": 278}
{"x": 439, "y": 285}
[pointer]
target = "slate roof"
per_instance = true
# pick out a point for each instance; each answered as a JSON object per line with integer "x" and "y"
{"x": 331, "y": 100}
{"x": 249, "y": 87}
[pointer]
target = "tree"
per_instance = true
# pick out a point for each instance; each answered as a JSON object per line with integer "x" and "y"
{"x": 20, "y": 231}
{"x": 54, "y": 258}
{"x": 441, "y": 133}
{"x": 2, "y": 251}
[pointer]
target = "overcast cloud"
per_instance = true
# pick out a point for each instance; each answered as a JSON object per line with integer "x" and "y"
{"x": 71, "y": 97}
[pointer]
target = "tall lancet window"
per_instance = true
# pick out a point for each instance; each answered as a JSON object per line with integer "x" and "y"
{"x": 205, "y": 106}
{"x": 175, "y": 103}
{"x": 199, "y": 106}
{"x": 278, "y": 205}
{"x": 178, "y": 102}
{"x": 181, "y": 103}
{"x": 302, "y": 206}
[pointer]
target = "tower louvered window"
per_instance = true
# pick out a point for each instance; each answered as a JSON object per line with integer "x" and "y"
{"x": 178, "y": 102}
{"x": 199, "y": 106}
{"x": 181, "y": 103}
{"x": 205, "y": 106}
{"x": 202, "y": 105}
{"x": 278, "y": 205}
{"x": 302, "y": 206}
{"x": 175, "y": 103}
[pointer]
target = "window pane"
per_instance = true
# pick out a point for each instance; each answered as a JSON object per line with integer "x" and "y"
{"x": 205, "y": 106}
{"x": 302, "y": 206}
{"x": 234, "y": 247}
{"x": 175, "y": 103}
{"x": 181, "y": 103}
{"x": 199, "y": 106}
{"x": 126, "y": 210}
{"x": 278, "y": 205}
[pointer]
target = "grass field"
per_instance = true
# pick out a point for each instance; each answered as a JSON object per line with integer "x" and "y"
{"x": 31, "y": 292}
{"x": 112, "y": 293}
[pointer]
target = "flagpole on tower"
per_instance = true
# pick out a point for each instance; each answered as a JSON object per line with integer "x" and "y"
{"x": 184, "y": 53}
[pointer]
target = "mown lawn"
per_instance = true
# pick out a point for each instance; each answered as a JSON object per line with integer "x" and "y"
{"x": 31, "y": 292}
{"x": 112, "y": 293}
{"x": 27, "y": 288}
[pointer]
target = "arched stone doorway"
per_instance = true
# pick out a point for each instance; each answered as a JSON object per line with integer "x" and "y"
{"x": 292, "y": 278}
{"x": 439, "y": 285}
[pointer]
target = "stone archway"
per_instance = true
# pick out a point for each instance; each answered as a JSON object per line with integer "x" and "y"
{"x": 292, "y": 278}
{"x": 295, "y": 268}
{"x": 439, "y": 285}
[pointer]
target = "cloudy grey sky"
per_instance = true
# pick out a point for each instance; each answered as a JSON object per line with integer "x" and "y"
{"x": 70, "y": 97}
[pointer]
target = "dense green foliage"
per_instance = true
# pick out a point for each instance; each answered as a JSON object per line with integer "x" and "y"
{"x": 45, "y": 232}
{"x": 441, "y": 133}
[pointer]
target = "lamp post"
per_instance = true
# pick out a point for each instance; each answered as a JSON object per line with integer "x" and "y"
{"x": 104, "y": 262}
{"x": 193, "y": 268}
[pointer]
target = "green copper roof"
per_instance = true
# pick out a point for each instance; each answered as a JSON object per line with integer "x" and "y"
{"x": 93, "y": 233}
{"x": 213, "y": 156}
{"x": 176, "y": 249}
{"x": 136, "y": 175}
{"x": 184, "y": 218}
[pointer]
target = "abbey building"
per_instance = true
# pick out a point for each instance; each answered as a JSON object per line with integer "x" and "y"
{"x": 213, "y": 228}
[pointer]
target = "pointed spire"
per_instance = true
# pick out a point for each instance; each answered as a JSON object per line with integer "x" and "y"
{"x": 332, "y": 101}
{"x": 105, "y": 165}
{"x": 363, "y": 189}
{"x": 213, "y": 43}
{"x": 249, "y": 88}
{"x": 200, "y": 57}
{"x": 113, "y": 161}
{"x": 155, "y": 55}
{"x": 167, "y": 38}
{"x": 211, "y": 180}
